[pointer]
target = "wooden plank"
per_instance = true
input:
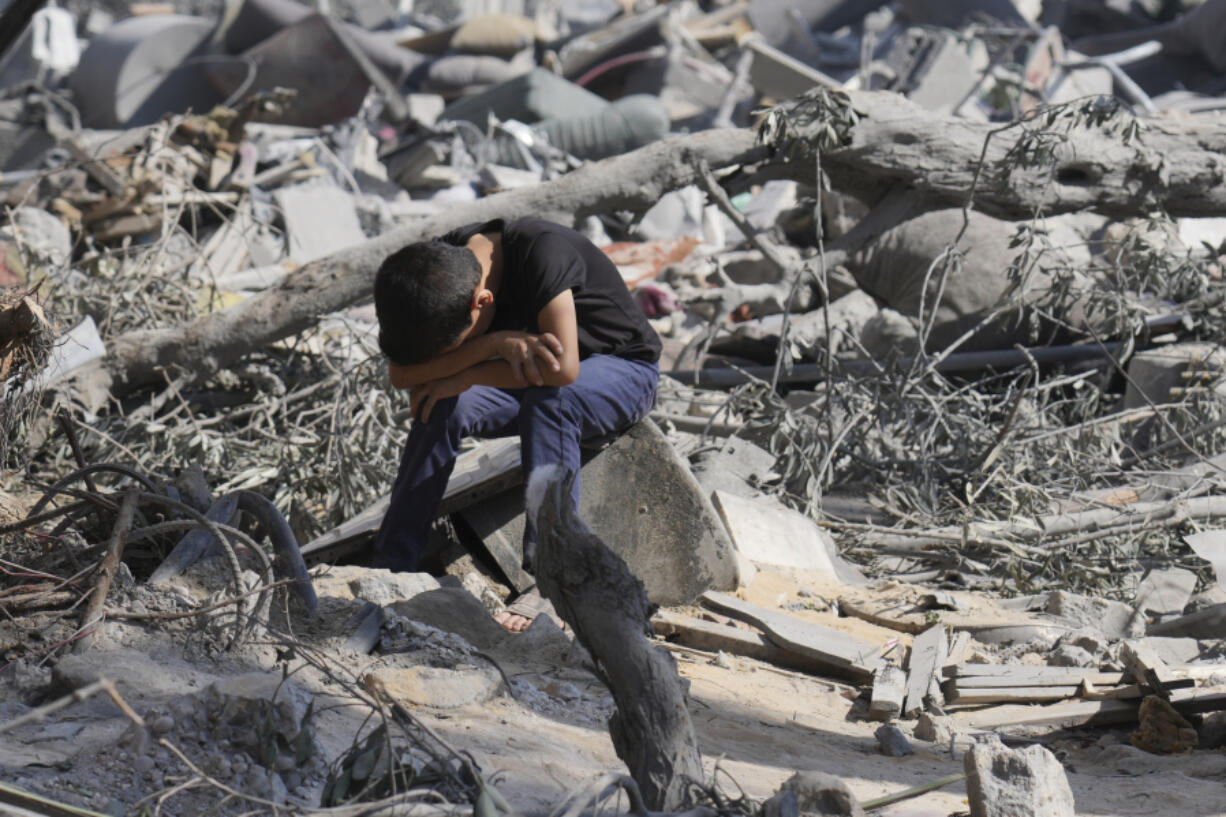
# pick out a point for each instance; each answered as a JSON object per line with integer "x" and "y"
{"x": 998, "y": 695}
{"x": 713, "y": 637}
{"x": 1143, "y": 664}
{"x": 1038, "y": 680}
{"x": 856, "y": 657}
{"x": 1023, "y": 675}
{"x": 1066, "y": 714}
{"x": 959, "y": 646}
{"x": 491, "y": 467}
{"x": 928, "y": 654}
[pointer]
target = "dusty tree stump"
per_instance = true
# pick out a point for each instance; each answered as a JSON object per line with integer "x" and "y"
{"x": 596, "y": 594}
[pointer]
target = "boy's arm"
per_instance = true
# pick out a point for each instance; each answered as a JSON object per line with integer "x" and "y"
{"x": 521, "y": 348}
{"x": 557, "y": 319}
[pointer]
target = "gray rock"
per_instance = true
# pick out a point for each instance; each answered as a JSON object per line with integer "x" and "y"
{"x": 384, "y": 587}
{"x": 290, "y": 700}
{"x": 40, "y": 233}
{"x": 892, "y": 742}
{"x": 1069, "y": 655}
{"x": 889, "y": 687}
{"x": 440, "y": 687}
{"x": 933, "y": 728}
{"x": 1089, "y": 639}
{"x": 1004, "y": 782}
{"x": 136, "y": 674}
{"x": 642, "y": 500}
{"x": 1114, "y": 619}
{"x": 823, "y": 795}
{"x": 1212, "y": 731}
{"x": 455, "y": 610}
{"x": 889, "y": 333}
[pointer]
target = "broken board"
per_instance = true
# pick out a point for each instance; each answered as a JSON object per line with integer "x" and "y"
{"x": 928, "y": 654}
{"x": 844, "y": 655}
{"x": 484, "y": 471}
{"x": 709, "y": 636}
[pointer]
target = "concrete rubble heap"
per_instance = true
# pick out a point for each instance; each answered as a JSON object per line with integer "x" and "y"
{"x": 929, "y": 512}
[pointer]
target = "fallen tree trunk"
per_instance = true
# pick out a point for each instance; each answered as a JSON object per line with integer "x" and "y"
{"x": 892, "y": 145}
{"x": 1174, "y": 167}
{"x": 597, "y": 595}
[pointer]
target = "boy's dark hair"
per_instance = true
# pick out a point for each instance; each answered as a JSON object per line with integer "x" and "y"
{"x": 423, "y": 297}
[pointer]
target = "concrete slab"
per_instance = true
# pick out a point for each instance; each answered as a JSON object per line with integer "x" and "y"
{"x": 642, "y": 500}
{"x": 768, "y": 533}
{"x": 319, "y": 219}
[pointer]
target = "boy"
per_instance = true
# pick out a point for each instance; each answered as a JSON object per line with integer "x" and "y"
{"x": 507, "y": 327}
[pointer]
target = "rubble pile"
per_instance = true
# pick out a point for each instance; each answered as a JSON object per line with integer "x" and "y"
{"x": 930, "y": 501}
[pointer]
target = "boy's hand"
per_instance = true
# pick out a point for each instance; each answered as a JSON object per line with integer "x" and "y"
{"x": 527, "y": 353}
{"x": 423, "y": 398}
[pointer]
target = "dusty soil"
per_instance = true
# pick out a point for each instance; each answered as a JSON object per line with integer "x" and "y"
{"x": 756, "y": 724}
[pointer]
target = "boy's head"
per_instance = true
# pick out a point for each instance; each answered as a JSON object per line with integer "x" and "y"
{"x": 425, "y": 296}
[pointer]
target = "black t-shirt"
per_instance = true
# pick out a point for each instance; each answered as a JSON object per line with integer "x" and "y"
{"x": 541, "y": 260}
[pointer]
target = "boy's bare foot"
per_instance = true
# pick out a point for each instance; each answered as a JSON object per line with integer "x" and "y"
{"x": 520, "y": 613}
{"x": 513, "y": 621}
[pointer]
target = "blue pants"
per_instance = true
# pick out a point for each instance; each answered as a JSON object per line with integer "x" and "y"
{"x": 610, "y": 395}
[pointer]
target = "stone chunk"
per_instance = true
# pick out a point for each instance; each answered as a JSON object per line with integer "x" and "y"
{"x": 1114, "y": 619}
{"x": 1070, "y": 655}
{"x": 137, "y": 675}
{"x": 384, "y": 587}
{"x": 892, "y": 742}
{"x": 889, "y": 687}
{"x": 638, "y": 494}
{"x": 436, "y": 686}
{"x": 1162, "y": 730}
{"x": 933, "y": 728}
{"x": 1004, "y": 782}
{"x": 821, "y": 795}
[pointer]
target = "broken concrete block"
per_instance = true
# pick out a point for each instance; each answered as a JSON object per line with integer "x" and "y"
{"x": 454, "y": 610}
{"x": 1162, "y": 730}
{"x": 892, "y": 742}
{"x": 1114, "y": 619}
{"x": 1004, "y": 782}
{"x": 669, "y": 535}
{"x": 934, "y": 728}
{"x": 289, "y": 699}
{"x": 1159, "y": 375}
{"x": 776, "y": 74}
{"x": 889, "y": 688}
{"x": 137, "y": 675}
{"x": 822, "y": 795}
{"x": 736, "y": 467}
{"x": 1070, "y": 655}
{"x": 319, "y": 220}
{"x": 1088, "y": 639}
{"x": 768, "y": 533}
{"x": 1165, "y": 592}
{"x": 384, "y": 587}
{"x": 38, "y": 233}
{"x": 436, "y": 686}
